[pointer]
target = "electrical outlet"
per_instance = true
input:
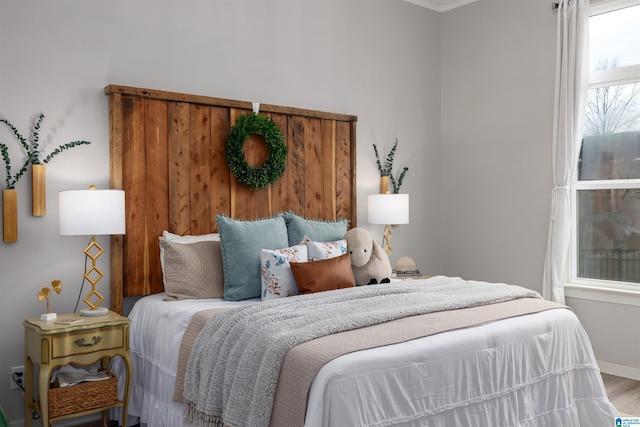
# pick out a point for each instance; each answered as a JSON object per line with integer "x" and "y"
{"x": 18, "y": 372}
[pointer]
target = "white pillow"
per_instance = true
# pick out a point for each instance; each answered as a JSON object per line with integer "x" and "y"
{"x": 189, "y": 239}
{"x": 324, "y": 250}
{"x": 176, "y": 238}
{"x": 275, "y": 271}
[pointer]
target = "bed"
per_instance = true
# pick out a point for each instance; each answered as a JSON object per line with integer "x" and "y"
{"x": 541, "y": 368}
{"x": 532, "y": 367}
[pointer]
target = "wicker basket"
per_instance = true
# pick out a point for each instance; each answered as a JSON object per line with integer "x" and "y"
{"x": 83, "y": 396}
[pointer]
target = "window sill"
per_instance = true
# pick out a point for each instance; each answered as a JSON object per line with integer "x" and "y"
{"x": 603, "y": 294}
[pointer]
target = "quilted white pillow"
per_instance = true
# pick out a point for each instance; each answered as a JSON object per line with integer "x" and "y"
{"x": 275, "y": 271}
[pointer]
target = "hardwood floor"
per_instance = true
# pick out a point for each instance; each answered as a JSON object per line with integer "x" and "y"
{"x": 98, "y": 423}
{"x": 624, "y": 394}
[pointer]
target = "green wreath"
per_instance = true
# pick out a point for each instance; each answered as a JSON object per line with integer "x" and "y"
{"x": 273, "y": 168}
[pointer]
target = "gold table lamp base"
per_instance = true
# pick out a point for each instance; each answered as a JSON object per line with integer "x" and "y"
{"x": 94, "y": 309}
{"x": 386, "y": 240}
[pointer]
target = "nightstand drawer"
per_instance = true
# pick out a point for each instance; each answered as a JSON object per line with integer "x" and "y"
{"x": 87, "y": 342}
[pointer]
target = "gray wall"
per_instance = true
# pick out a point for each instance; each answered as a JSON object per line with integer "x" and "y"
{"x": 379, "y": 60}
{"x": 498, "y": 66}
{"x": 497, "y": 107}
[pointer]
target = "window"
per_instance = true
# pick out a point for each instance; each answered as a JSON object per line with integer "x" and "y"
{"x": 606, "y": 191}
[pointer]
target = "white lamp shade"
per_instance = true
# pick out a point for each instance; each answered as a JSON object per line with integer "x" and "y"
{"x": 91, "y": 212}
{"x": 390, "y": 209}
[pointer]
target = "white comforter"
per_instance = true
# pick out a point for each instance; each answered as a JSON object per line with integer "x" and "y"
{"x": 155, "y": 334}
{"x": 536, "y": 370}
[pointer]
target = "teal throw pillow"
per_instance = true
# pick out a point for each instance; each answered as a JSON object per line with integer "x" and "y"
{"x": 315, "y": 229}
{"x": 242, "y": 241}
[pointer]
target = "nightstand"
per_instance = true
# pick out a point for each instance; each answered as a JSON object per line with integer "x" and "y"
{"x": 416, "y": 277}
{"x": 93, "y": 339}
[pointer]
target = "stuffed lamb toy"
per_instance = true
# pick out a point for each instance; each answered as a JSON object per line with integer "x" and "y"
{"x": 369, "y": 261}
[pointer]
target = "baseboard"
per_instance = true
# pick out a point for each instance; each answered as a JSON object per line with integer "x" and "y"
{"x": 624, "y": 371}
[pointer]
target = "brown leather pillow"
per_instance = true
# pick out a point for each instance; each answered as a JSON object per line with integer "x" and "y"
{"x": 323, "y": 275}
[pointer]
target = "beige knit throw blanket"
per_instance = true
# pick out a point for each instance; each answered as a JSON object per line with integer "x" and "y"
{"x": 235, "y": 362}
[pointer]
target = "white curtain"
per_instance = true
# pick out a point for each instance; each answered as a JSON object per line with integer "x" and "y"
{"x": 572, "y": 56}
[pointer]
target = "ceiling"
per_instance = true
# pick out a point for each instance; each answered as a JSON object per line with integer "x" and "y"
{"x": 440, "y": 5}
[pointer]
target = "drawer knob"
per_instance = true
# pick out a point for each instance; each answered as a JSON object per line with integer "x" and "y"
{"x": 81, "y": 342}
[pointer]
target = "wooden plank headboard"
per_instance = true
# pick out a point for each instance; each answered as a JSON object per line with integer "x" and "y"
{"x": 167, "y": 153}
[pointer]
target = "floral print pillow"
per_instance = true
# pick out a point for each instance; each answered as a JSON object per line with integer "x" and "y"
{"x": 275, "y": 270}
{"x": 324, "y": 250}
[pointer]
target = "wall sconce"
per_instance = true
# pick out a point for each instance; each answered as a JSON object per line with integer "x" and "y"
{"x": 388, "y": 209}
{"x": 89, "y": 213}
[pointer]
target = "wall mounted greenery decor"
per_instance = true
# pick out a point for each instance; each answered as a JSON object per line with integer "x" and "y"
{"x": 273, "y": 168}
{"x": 36, "y": 157}
{"x": 9, "y": 193}
{"x": 9, "y": 215}
{"x": 12, "y": 180}
{"x": 36, "y": 152}
{"x": 38, "y": 168}
{"x": 386, "y": 170}
{"x": 33, "y": 151}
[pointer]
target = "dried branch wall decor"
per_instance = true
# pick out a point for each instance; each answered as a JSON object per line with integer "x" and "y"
{"x": 12, "y": 180}
{"x": 386, "y": 170}
{"x": 35, "y": 157}
{"x": 38, "y": 168}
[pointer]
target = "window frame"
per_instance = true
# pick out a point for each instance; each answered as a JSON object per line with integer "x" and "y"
{"x": 582, "y": 286}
